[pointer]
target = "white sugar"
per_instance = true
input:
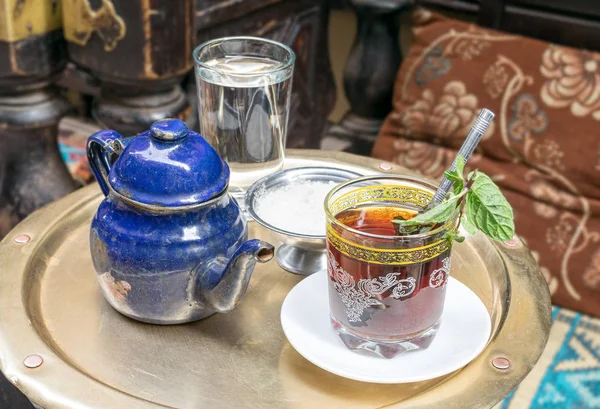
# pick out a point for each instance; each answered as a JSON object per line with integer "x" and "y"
{"x": 296, "y": 207}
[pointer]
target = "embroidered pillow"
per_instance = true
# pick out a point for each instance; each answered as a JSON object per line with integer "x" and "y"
{"x": 543, "y": 148}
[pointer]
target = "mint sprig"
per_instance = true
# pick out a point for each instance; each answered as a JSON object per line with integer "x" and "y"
{"x": 479, "y": 202}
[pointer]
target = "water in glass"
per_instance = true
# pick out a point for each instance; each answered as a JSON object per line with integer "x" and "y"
{"x": 243, "y": 108}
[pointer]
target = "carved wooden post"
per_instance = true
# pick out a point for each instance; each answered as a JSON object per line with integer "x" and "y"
{"x": 371, "y": 70}
{"x": 32, "y": 53}
{"x": 140, "y": 50}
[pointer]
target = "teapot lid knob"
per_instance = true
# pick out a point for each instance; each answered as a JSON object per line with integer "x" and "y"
{"x": 171, "y": 129}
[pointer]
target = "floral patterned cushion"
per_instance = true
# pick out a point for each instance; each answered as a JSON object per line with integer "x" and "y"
{"x": 543, "y": 148}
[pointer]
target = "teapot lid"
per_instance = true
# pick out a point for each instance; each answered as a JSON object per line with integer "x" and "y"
{"x": 169, "y": 166}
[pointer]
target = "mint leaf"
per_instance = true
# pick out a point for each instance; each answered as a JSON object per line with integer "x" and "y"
{"x": 458, "y": 187}
{"x": 464, "y": 221}
{"x": 457, "y": 175}
{"x": 460, "y": 165}
{"x": 453, "y": 235}
{"x": 480, "y": 201}
{"x": 439, "y": 214}
{"x": 489, "y": 210}
{"x": 403, "y": 230}
{"x": 453, "y": 176}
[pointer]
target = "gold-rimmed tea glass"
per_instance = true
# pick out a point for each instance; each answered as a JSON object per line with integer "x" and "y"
{"x": 386, "y": 292}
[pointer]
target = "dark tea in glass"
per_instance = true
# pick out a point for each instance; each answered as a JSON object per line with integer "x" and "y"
{"x": 386, "y": 291}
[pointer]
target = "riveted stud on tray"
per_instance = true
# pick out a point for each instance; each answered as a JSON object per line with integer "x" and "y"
{"x": 22, "y": 239}
{"x": 514, "y": 242}
{"x": 385, "y": 166}
{"x": 33, "y": 361}
{"x": 501, "y": 363}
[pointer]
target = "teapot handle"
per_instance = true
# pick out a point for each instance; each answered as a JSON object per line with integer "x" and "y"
{"x": 103, "y": 148}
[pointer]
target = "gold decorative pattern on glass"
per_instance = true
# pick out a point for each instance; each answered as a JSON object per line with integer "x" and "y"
{"x": 405, "y": 194}
{"x": 388, "y": 257}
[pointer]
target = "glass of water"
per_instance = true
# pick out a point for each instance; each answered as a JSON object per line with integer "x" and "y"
{"x": 244, "y": 87}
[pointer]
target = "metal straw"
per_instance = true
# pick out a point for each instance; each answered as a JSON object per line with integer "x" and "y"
{"x": 481, "y": 124}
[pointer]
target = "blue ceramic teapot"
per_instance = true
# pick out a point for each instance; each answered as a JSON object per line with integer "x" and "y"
{"x": 168, "y": 243}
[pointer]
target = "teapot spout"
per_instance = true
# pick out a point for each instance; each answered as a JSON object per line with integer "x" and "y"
{"x": 228, "y": 293}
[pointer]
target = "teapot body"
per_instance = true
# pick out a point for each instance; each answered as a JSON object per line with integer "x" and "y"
{"x": 168, "y": 243}
{"x": 153, "y": 266}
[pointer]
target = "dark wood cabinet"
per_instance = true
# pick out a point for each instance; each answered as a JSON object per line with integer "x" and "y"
{"x": 128, "y": 96}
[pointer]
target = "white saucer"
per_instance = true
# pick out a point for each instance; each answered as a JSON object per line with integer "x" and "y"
{"x": 463, "y": 334}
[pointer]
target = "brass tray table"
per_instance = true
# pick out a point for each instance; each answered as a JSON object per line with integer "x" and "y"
{"x": 65, "y": 347}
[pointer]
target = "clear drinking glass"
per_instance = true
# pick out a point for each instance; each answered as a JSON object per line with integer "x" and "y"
{"x": 244, "y": 88}
{"x": 386, "y": 292}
